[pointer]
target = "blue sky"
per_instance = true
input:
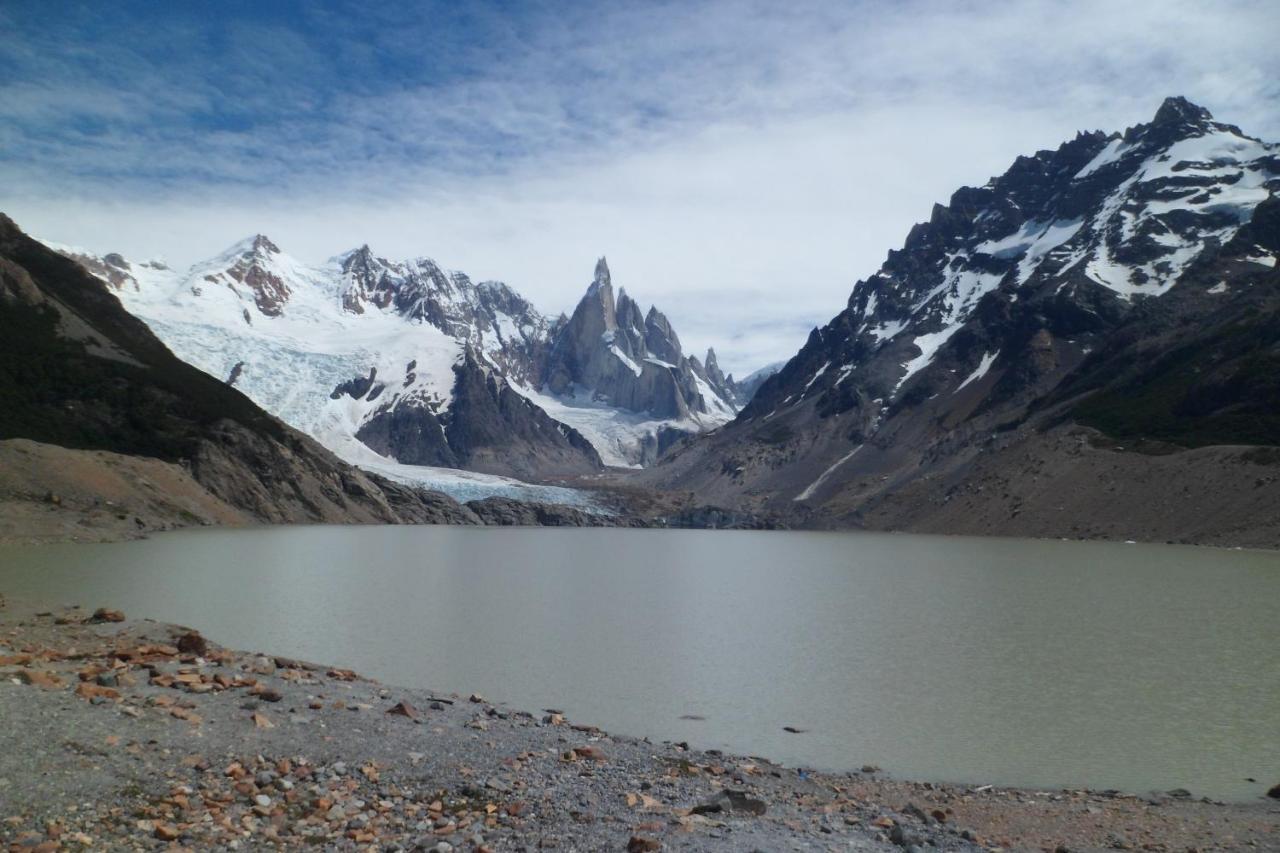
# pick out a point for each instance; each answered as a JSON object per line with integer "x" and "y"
{"x": 740, "y": 163}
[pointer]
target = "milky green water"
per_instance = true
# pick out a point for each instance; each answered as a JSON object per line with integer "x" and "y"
{"x": 1043, "y": 664}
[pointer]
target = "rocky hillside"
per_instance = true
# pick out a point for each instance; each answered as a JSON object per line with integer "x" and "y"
{"x": 405, "y": 362}
{"x": 1123, "y": 284}
{"x": 79, "y": 372}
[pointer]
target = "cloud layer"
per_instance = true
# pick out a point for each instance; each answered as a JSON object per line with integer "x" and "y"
{"x": 741, "y": 164}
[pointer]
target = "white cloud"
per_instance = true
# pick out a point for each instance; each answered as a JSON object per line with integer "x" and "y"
{"x": 740, "y": 164}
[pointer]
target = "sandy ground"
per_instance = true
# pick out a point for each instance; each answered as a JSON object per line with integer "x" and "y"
{"x": 137, "y": 735}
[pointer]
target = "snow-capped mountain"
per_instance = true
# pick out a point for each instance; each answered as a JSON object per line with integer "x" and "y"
{"x": 747, "y": 386}
{"x": 402, "y": 361}
{"x": 1019, "y": 304}
{"x": 620, "y": 376}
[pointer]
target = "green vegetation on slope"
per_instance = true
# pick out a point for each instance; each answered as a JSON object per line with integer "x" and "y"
{"x": 1223, "y": 388}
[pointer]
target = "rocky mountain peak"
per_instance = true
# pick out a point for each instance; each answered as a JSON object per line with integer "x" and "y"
{"x": 660, "y": 338}
{"x": 355, "y": 258}
{"x": 601, "y": 278}
{"x": 613, "y": 353}
{"x": 262, "y": 243}
{"x": 714, "y": 375}
{"x": 1178, "y": 110}
{"x": 257, "y": 265}
{"x": 1176, "y": 119}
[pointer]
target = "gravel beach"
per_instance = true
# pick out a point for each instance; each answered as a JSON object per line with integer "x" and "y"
{"x": 121, "y": 733}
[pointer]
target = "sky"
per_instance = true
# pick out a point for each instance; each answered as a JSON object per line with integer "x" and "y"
{"x": 741, "y": 164}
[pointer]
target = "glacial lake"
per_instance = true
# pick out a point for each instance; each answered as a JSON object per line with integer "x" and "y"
{"x": 1018, "y": 662}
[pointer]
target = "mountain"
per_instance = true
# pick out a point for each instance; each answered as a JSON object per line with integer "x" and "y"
{"x": 610, "y": 354}
{"x": 1115, "y": 297}
{"x": 97, "y": 407}
{"x": 400, "y": 364}
{"x": 746, "y": 387}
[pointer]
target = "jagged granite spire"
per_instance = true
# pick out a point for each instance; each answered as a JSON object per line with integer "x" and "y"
{"x": 610, "y": 351}
{"x": 601, "y": 278}
{"x": 660, "y": 338}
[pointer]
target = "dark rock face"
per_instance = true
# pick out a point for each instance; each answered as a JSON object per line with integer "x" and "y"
{"x": 1126, "y": 281}
{"x": 410, "y": 434}
{"x": 609, "y": 350}
{"x": 357, "y": 388}
{"x": 489, "y": 427}
{"x": 77, "y": 370}
{"x": 493, "y": 428}
{"x": 719, "y": 518}
{"x": 509, "y": 513}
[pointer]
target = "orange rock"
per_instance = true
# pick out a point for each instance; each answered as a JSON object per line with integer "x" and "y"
{"x": 186, "y": 714}
{"x": 39, "y": 678}
{"x": 90, "y": 691}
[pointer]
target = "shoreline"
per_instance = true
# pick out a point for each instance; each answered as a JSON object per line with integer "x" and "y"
{"x": 126, "y": 534}
{"x": 144, "y": 718}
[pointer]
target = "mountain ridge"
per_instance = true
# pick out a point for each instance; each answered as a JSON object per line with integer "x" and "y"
{"x": 1010, "y": 309}
{"x": 269, "y": 312}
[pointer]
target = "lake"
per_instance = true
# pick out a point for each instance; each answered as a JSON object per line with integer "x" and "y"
{"x": 1017, "y": 662}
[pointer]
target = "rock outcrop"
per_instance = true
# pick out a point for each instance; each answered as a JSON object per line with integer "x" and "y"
{"x": 488, "y": 428}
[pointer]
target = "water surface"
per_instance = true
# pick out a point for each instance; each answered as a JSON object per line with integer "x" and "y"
{"x": 1018, "y": 662}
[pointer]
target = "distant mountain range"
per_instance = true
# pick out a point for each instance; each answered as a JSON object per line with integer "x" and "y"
{"x": 405, "y": 362}
{"x": 1087, "y": 345}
